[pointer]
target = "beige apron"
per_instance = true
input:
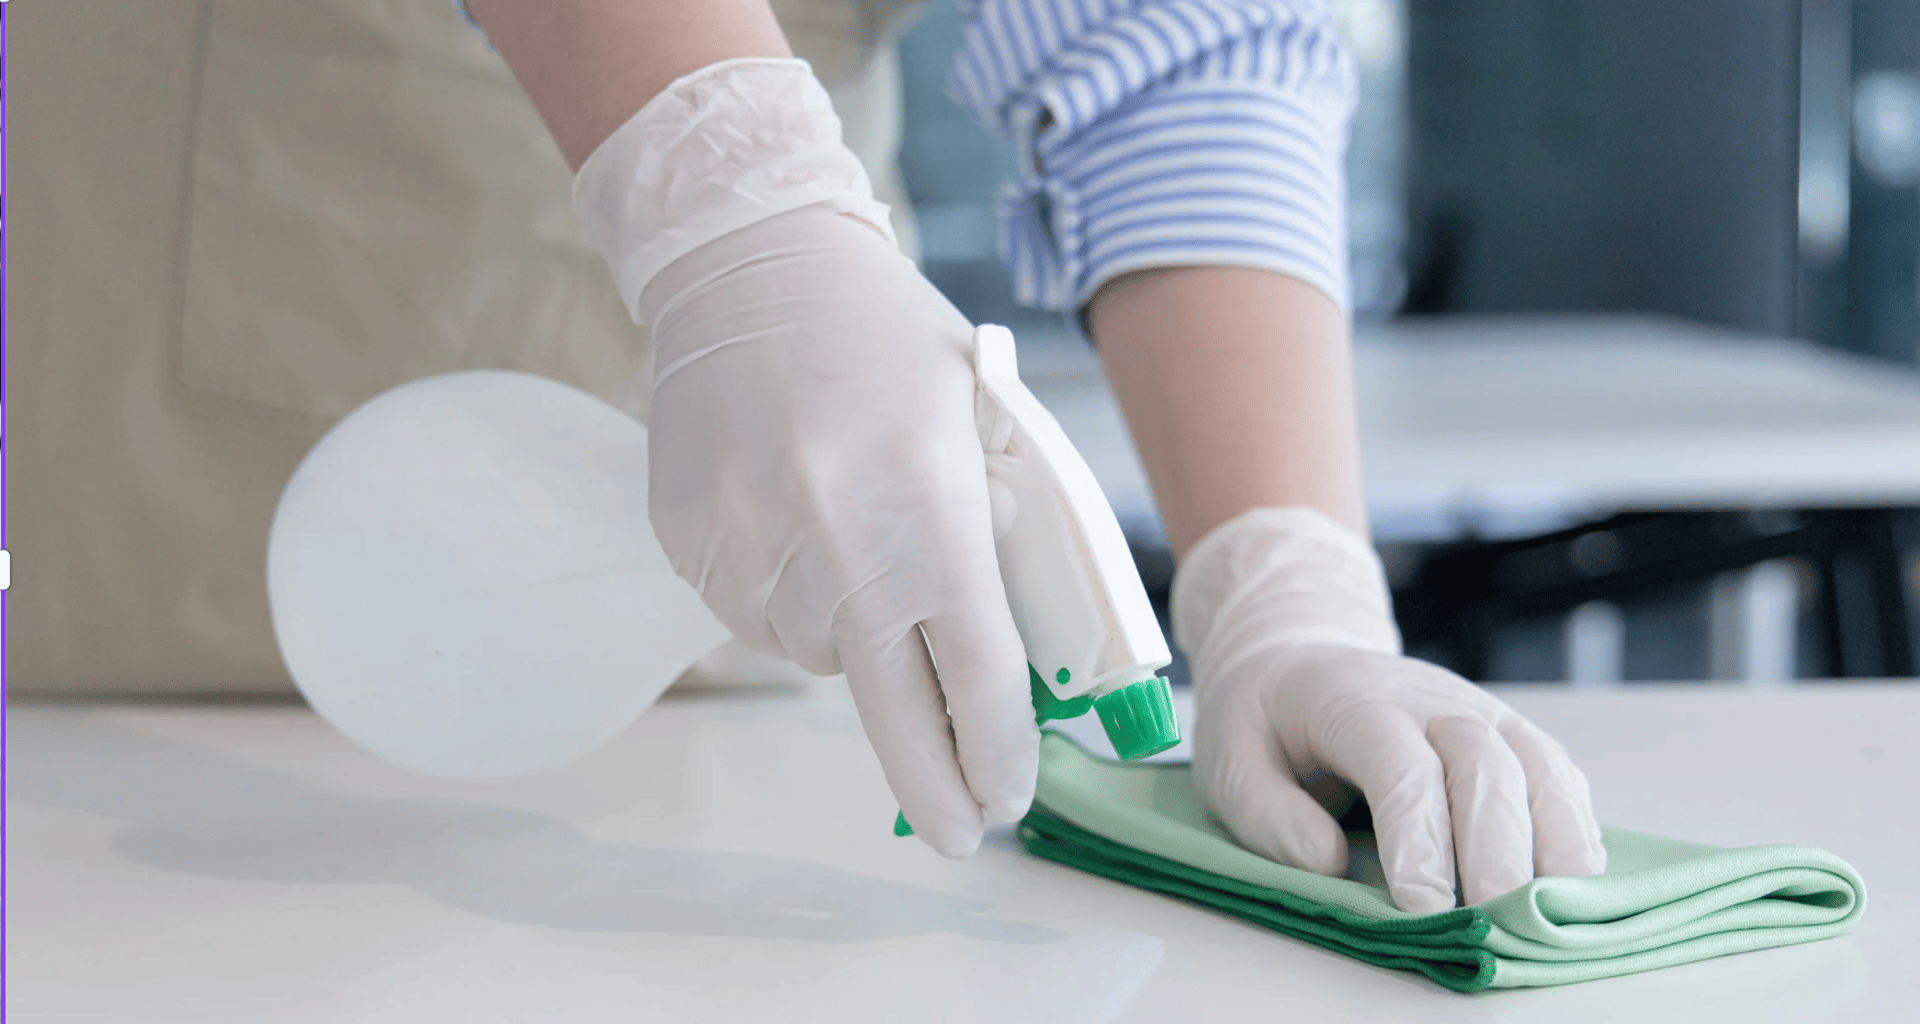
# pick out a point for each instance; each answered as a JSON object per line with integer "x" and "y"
{"x": 232, "y": 221}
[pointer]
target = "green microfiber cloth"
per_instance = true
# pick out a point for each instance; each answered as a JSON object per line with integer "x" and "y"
{"x": 1661, "y": 902}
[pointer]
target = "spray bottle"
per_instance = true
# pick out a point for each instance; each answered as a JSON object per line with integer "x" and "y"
{"x": 462, "y": 578}
{"x": 1090, "y": 632}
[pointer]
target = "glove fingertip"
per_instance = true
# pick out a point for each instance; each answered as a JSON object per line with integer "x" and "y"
{"x": 1422, "y": 899}
{"x": 1288, "y": 826}
{"x": 1583, "y": 860}
{"x": 955, "y": 833}
{"x": 954, "y": 844}
{"x": 1009, "y": 808}
{"x": 1320, "y": 847}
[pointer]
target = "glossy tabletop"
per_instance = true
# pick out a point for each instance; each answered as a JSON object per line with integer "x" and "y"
{"x": 729, "y": 858}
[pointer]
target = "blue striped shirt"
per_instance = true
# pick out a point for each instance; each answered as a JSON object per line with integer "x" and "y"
{"x": 1158, "y": 133}
{"x": 1162, "y": 133}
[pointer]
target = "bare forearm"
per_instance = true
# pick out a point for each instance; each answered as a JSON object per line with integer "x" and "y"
{"x": 1238, "y": 387}
{"x": 589, "y": 65}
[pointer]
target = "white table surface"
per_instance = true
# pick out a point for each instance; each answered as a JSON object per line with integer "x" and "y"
{"x": 1521, "y": 424}
{"x": 729, "y": 859}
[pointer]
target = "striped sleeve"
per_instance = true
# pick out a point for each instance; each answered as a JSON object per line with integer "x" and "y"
{"x": 1158, "y": 133}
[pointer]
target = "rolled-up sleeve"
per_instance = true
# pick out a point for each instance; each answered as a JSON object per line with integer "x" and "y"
{"x": 1160, "y": 133}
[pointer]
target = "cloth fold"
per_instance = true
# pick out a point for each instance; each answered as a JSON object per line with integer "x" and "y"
{"x": 1661, "y": 901}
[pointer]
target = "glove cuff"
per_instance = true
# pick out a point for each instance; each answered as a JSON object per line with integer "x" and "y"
{"x": 721, "y": 149}
{"x": 1296, "y": 567}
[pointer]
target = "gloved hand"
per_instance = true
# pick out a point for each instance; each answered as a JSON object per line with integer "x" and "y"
{"x": 1303, "y": 697}
{"x": 816, "y": 470}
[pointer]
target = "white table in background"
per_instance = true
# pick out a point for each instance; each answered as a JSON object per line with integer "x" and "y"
{"x": 729, "y": 859}
{"x": 1519, "y": 424}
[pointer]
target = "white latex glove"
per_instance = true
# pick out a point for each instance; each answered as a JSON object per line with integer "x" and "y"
{"x": 1302, "y": 693}
{"x": 816, "y": 470}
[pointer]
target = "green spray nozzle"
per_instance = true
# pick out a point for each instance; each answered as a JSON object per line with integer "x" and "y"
{"x": 1139, "y": 718}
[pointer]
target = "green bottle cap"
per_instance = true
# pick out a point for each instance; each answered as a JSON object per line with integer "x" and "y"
{"x": 1139, "y": 719}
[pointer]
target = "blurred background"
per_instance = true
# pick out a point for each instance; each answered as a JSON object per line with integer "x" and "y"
{"x": 1637, "y": 291}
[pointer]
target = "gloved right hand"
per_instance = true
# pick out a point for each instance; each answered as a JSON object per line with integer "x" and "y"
{"x": 1303, "y": 698}
{"x": 817, "y": 474}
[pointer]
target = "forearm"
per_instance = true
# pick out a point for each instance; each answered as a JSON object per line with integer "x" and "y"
{"x": 1237, "y": 385}
{"x": 1212, "y": 147}
{"x": 588, "y": 65}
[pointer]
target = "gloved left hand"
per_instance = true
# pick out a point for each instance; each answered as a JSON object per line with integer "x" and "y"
{"x": 1303, "y": 698}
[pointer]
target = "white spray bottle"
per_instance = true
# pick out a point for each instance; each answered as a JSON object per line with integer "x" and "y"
{"x": 462, "y": 577}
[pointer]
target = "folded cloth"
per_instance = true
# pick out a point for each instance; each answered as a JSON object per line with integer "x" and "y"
{"x": 1661, "y": 901}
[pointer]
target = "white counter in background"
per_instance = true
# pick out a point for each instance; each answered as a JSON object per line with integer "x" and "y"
{"x": 1512, "y": 425}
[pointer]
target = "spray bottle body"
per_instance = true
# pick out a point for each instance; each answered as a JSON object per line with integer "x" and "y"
{"x": 462, "y": 578}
